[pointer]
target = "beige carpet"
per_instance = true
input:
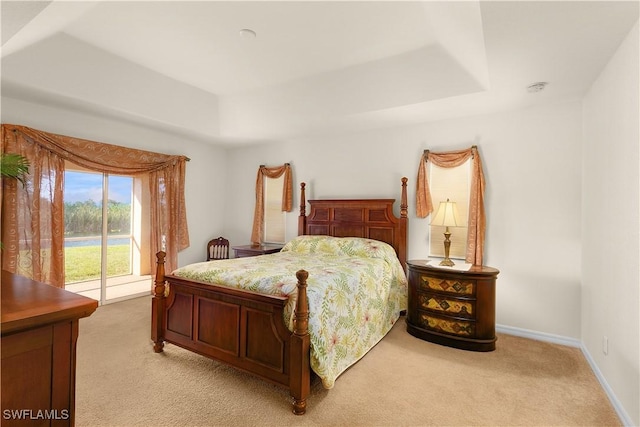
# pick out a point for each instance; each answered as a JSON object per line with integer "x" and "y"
{"x": 403, "y": 381}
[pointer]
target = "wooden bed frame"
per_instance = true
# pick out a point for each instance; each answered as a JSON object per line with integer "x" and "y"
{"x": 246, "y": 329}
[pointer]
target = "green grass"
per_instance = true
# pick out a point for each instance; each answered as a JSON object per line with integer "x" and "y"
{"x": 83, "y": 262}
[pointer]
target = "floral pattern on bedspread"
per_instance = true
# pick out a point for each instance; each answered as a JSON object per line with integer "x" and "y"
{"x": 356, "y": 290}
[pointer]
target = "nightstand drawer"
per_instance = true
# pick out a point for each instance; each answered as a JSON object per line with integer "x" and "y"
{"x": 448, "y": 326}
{"x": 460, "y": 308}
{"x": 454, "y": 286}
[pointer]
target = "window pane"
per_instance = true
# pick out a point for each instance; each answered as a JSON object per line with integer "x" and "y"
{"x": 82, "y": 225}
{"x": 452, "y": 184}
{"x": 119, "y": 225}
{"x": 274, "y": 217}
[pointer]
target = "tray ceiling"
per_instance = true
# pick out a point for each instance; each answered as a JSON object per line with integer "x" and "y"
{"x": 313, "y": 67}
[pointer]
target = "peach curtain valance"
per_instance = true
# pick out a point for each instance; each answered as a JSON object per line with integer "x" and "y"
{"x": 33, "y": 215}
{"x": 477, "y": 219}
{"x": 97, "y": 156}
{"x": 287, "y": 197}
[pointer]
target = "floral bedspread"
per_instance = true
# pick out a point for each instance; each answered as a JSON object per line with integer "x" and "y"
{"x": 356, "y": 290}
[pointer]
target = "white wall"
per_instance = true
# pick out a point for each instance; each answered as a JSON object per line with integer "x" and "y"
{"x": 532, "y": 163}
{"x": 205, "y": 176}
{"x": 611, "y": 239}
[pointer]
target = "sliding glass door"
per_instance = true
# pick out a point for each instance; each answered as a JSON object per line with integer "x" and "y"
{"x": 100, "y": 245}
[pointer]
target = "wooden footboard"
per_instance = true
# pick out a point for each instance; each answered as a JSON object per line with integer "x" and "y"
{"x": 241, "y": 328}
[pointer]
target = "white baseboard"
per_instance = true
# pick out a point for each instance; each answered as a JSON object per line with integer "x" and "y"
{"x": 572, "y": 342}
{"x": 539, "y": 336}
{"x": 624, "y": 416}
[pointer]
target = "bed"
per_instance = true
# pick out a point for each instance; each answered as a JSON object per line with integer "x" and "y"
{"x": 275, "y": 331}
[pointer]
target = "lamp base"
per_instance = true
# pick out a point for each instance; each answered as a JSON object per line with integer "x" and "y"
{"x": 447, "y": 262}
{"x": 447, "y": 245}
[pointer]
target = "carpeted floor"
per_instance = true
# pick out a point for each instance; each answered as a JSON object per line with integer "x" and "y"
{"x": 403, "y": 381}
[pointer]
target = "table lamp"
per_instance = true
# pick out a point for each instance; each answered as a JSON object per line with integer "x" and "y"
{"x": 447, "y": 215}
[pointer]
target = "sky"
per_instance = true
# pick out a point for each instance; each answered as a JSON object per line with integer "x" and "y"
{"x": 83, "y": 186}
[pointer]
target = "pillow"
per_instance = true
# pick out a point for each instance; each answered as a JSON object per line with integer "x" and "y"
{"x": 350, "y": 246}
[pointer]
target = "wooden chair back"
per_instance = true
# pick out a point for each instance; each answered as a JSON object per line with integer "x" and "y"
{"x": 217, "y": 249}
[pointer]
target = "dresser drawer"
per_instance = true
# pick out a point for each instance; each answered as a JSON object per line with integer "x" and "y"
{"x": 450, "y": 306}
{"x": 454, "y": 286}
{"x": 449, "y": 326}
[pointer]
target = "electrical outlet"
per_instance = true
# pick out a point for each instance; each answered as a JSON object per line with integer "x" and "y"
{"x": 605, "y": 345}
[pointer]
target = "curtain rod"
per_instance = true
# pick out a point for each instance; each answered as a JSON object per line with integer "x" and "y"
{"x": 427, "y": 151}
{"x": 286, "y": 164}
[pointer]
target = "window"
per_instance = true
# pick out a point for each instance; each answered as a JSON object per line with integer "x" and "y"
{"x": 35, "y": 213}
{"x": 274, "y": 217}
{"x": 273, "y": 199}
{"x": 453, "y": 184}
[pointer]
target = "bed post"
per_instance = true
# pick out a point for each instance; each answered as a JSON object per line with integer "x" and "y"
{"x": 402, "y": 256}
{"x": 158, "y": 304}
{"x": 302, "y": 219}
{"x": 300, "y": 372}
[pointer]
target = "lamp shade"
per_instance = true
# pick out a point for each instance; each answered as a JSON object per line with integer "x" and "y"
{"x": 447, "y": 215}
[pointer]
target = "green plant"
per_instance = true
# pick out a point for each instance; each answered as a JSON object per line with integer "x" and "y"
{"x": 14, "y": 166}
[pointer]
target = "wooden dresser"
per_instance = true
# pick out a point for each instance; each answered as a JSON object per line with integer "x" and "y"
{"x": 254, "y": 250}
{"x": 452, "y": 307}
{"x": 39, "y": 334}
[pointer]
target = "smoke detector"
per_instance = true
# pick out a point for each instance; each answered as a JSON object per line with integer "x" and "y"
{"x": 247, "y": 33}
{"x": 537, "y": 87}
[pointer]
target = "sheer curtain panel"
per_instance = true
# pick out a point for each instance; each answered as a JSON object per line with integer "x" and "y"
{"x": 33, "y": 214}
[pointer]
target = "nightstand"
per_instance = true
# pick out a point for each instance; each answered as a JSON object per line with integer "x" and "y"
{"x": 254, "y": 250}
{"x": 452, "y": 307}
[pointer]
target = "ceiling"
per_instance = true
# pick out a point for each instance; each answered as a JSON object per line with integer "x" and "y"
{"x": 312, "y": 68}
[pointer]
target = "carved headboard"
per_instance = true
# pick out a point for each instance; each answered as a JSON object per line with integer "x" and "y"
{"x": 370, "y": 218}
